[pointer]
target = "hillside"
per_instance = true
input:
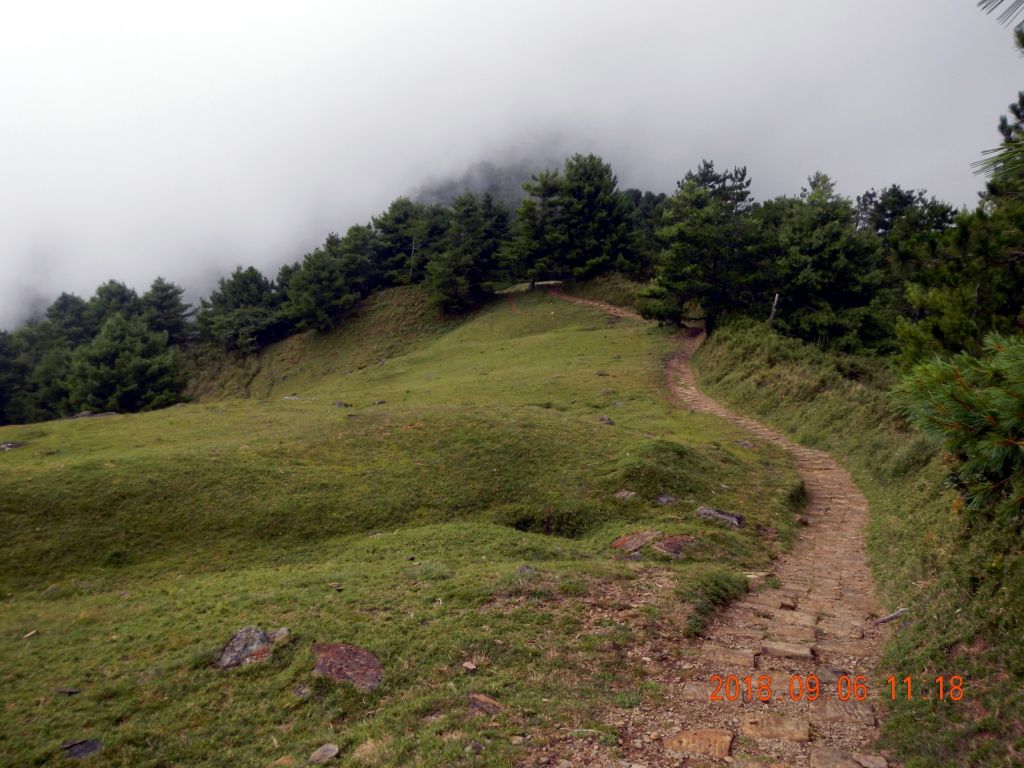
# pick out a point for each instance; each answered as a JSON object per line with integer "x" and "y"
{"x": 963, "y": 587}
{"x": 436, "y": 493}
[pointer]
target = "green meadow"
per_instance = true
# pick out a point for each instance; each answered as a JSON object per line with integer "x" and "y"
{"x": 436, "y": 492}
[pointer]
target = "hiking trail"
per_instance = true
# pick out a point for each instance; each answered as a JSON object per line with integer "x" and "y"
{"x": 817, "y": 622}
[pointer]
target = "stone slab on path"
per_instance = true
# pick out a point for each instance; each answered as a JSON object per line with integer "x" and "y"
{"x": 769, "y": 725}
{"x": 707, "y": 742}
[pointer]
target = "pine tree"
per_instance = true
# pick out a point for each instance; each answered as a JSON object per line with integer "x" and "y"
{"x": 166, "y": 312}
{"x": 466, "y": 272}
{"x": 974, "y": 405}
{"x": 707, "y": 262}
{"x": 128, "y": 367}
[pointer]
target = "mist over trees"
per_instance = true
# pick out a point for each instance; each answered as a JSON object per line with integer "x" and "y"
{"x": 894, "y": 273}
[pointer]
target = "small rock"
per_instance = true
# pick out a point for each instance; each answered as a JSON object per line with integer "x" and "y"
{"x": 248, "y": 646}
{"x": 279, "y": 635}
{"x": 341, "y": 404}
{"x": 710, "y": 742}
{"x": 631, "y": 542}
{"x": 32, "y": 633}
{"x": 803, "y": 520}
{"x": 301, "y": 691}
{"x": 526, "y": 570}
{"x": 335, "y": 585}
{"x": 80, "y": 748}
{"x": 10, "y": 446}
{"x": 768, "y": 725}
{"x": 745, "y": 444}
{"x": 788, "y": 604}
{"x": 286, "y": 760}
{"x": 475, "y": 748}
{"x": 822, "y": 757}
{"x": 665, "y": 499}
{"x": 347, "y": 663}
{"x": 323, "y": 754}
{"x": 606, "y": 419}
{"x": 624, "y": 494}
{"x": 484, "y": 704}
{"x": 67, "y": 691}
{"x": 469, "y": 666}
{"x": 871, "y": 761}
{"x": 379, "y": 402}
{"x": 710, "y": 513}
{"x": 516, "y": 740}
{"x": 563, "y": 764}
{"x": 673, "y": 546}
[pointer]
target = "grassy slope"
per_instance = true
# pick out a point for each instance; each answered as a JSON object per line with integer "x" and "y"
{"x": 134, "y": 546}
{"x": 966, "y": 606}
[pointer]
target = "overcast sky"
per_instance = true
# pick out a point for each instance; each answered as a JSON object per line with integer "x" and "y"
{"x": 182, "y": 139}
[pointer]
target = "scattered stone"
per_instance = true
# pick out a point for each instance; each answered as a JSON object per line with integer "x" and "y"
{"x": 483, "y": 704}
{"x": 249, "y": 646}
{"x": 786, "y": 650}
{"x": 291, "y": 397}
{"x": 710, "y": 513}
{"x": 516, "y": 740}
{"x": 631, "y": 542}
{"x": 803, "y": 520}
{"x": 768, "y": 725}
{"x": 788, "y": 604}
{"x": 323, "y": 753}
{"x": 80, "y": 748}
{"x": 335, "y": 585}
{"x": 347, "y": 663}
{"x": 709, "y": 742}
{"x": 469, "y": 666}
{"x": 301, "y": 691}
{"x": 526, "y": 570}
{"x": 624, "y": 494}
{"x": 673, "y": 546}
{"x": 67, "y": 691}
{"x": 563, "y": 764}
{"x": 745, "y": 444}
{"x": 29, "y": 634}
{"x": 379, "y": 402}
{"x": 870, "y": 761}
{"x": 665, "y": 499}
{"x": 10, "y": 446}
{"x": 474, "y": 748}
{"x": 286, "y": 760}
{"x": 822, "y": 757}
{"x": 606, "y": 419}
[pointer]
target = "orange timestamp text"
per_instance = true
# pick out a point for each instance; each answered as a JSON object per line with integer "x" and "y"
{"x": 844, "y": 688}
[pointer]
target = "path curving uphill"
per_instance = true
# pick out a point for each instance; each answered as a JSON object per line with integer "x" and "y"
{"x": 816, "y": 630}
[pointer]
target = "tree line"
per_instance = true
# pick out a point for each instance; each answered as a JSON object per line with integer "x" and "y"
{"x": 893, "y": 271}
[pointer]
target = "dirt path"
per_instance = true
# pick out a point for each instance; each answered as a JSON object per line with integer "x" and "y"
{"x": 818, "y": 622}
